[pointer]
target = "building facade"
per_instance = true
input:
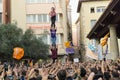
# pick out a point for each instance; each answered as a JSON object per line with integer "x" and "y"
{"x": 89, "y": 13}
{"x": 1, "y": 10}
{"x": 108, "y": 24}
{"x": 34, "y": 14}
{"x": 4, "y": 11}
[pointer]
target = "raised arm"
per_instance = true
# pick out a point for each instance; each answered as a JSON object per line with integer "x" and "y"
{"x": 54, "y": 5}
{"x": 102, "y": 67}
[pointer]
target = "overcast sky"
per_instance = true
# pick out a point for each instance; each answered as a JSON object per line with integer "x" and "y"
{"x": 74, "y": 4}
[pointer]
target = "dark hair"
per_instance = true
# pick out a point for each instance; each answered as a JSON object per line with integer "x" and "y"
{"x": 23, "y": 73}
{"x": 61, "y": 75}
{"x": 54, "y": 45}
{"x": 115, "y": 74}
{"x": 36, "y": 70}
{"x": 107, "y": 75}
{"x": 94, "y": 70}
{"x": 32, "y": 78}
{"x": 69, "y": 78}
{"x": 38, "y": 78}
{"x": 53, "y": 8}
{"x": 97, "y": 76}
{"x": 118, "y": 68}
{"x": 82, "y": 72}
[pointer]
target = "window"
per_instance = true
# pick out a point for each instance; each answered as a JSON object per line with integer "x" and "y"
{"x": 39, "y": 18}
{"x": 92, "y": 10}
{"x": 92, "y": 23}
{"x": 94, "y": 42}
{"x": 50, "y": 1}
{"x": 93, "y": 45}
{"x": 0, "y": 1}
{"x": 58, "y": 39}
{"x": 39, "y": 1}
{"x": 47, "y": 39}
{"x": 42, "y": 1}
{"x": 0, "y": 18}
{"x": 31, "y": 1}
{"x": 101, "y": 9}
{"x": 44, "y": 18}
{"x": 57, "y": 17}
{"x": 31, "y": 18}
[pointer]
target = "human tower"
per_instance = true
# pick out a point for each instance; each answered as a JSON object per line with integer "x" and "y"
{"x": 53, "y": 30}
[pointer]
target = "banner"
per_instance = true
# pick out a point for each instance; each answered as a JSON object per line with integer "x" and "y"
{"x": 99, "y": 52}
{"x": 70, "y": 50}
{"x": 91, "y": 54}
{"x": 92, "y": 47}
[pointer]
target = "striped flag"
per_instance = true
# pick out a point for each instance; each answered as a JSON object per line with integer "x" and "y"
{"x": 106, "y": 52}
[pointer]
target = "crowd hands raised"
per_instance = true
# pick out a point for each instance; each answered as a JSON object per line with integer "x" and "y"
{"x": 61, "y": 70}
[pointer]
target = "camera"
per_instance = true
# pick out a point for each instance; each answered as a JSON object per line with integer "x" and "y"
{"x": 51, "y": 76}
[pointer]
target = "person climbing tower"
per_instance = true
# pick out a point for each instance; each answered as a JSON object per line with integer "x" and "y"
{"x": 54, "y": 49}
{"x": 53, "y": 35}
{"x": 53, "y": 16}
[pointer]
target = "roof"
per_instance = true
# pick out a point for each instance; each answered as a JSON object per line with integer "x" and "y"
{"x": 110, "y": 16}
{"x": 80, "y": 3}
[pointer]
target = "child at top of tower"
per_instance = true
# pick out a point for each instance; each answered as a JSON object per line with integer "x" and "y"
{"x": 53, "y": 34}
{"x": 53, "y": 16}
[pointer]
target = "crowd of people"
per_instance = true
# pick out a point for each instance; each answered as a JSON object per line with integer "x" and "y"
{"x": 61, "y": 70}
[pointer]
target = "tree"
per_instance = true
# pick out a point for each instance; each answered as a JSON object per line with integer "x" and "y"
{"x": 11, "y": 36}
{"x": 33, "y": 46}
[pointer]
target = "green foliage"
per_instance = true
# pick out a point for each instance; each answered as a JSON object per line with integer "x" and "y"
{"x": 34, "y": 47}
{"x": 11, "y": 37}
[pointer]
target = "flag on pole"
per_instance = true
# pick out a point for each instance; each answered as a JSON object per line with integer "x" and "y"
{"x": 18, "y": 53}
{"x": 91, "y": 54}
{"x": 106, "y": 52}
{"x": 99, "y": 52}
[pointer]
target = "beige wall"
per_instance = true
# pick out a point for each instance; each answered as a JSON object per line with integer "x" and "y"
{"x": 74, "y": 34}
{"x": 86, "y": 17}
{"x": 18, "y": 11}
{"x": 42, "y": 8}
{"x": 78, "y": 32}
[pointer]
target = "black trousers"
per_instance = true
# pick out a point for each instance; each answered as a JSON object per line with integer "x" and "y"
{"x": 54, "y": 60}
{"x": 53, "y": 19}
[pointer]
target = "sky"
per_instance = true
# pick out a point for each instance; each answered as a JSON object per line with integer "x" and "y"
{"x": 74, "y": 4}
